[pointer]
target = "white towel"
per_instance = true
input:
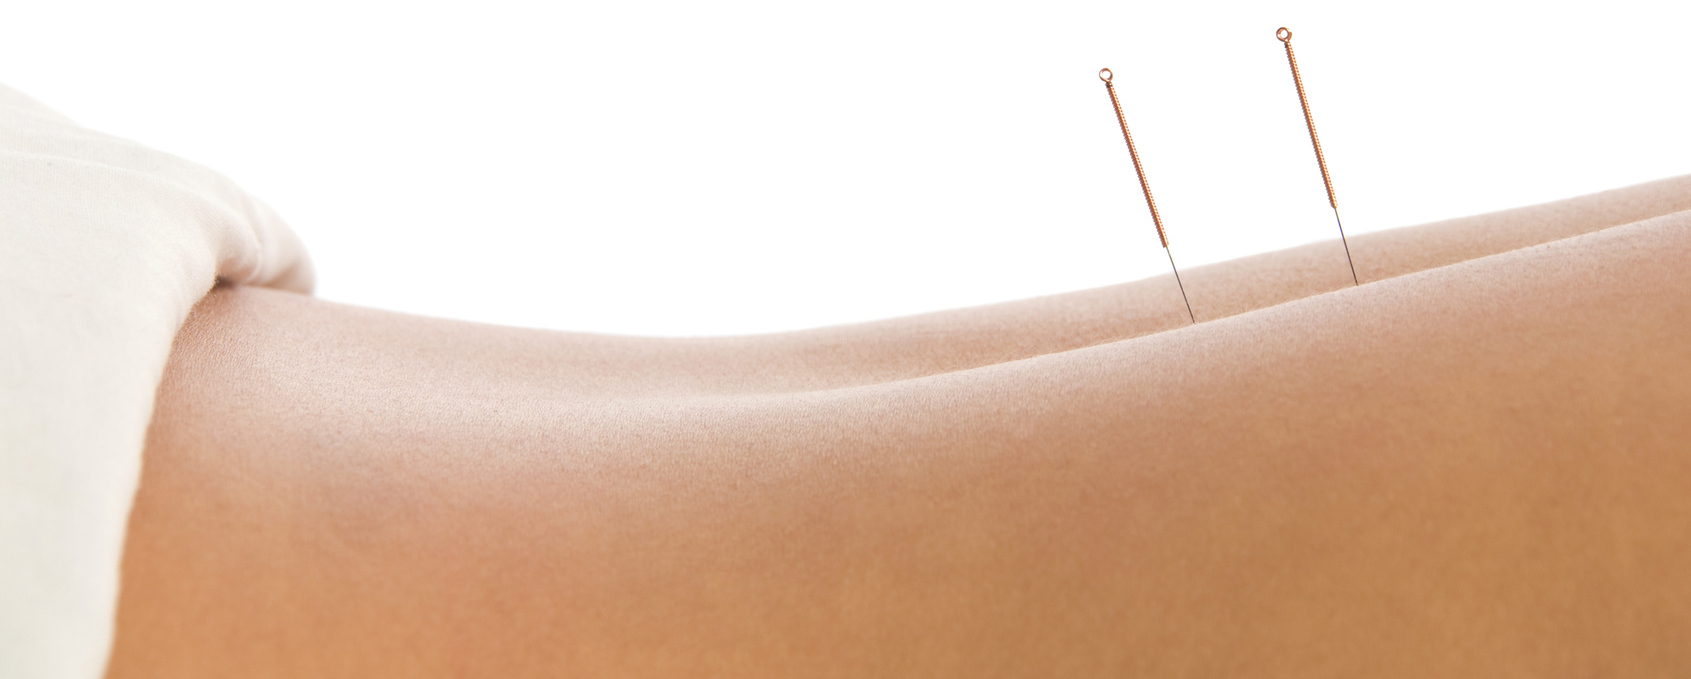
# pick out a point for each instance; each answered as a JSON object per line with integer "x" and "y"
{"x": 105, "y": 245}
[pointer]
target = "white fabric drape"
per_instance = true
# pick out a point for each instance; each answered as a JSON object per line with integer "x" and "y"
{"x": 105, "y": 245}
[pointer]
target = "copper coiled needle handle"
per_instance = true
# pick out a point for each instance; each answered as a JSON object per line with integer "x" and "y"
{"x": 1107, "y": 76}
{"x": 1285, "y": 36}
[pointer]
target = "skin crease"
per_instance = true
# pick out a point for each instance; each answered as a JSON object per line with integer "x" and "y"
{"x": 1472, "y": 465}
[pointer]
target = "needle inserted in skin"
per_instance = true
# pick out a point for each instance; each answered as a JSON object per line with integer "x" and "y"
{"x": 1285, "y": 36}
{"x": 1106, "y": 76}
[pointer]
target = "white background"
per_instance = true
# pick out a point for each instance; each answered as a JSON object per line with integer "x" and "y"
{"x": 687, "y": 169}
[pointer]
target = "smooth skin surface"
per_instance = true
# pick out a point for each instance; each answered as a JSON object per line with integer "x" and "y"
{"x": 1474, "y": 464}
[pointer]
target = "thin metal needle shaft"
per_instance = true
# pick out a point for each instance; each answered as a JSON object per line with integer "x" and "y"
{"x": 1106, "y": 75}
{"x": 1346, "y": 243}
{"x": 1171, "y": 265}
{"x": 1285, "y": 36}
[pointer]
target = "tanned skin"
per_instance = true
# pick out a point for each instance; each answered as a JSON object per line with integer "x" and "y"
{"x": 1478, "y": 463}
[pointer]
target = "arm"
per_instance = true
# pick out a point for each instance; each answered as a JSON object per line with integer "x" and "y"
{"x": 1478, "y": 468}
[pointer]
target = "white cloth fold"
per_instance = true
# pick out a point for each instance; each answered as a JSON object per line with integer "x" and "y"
{"x": 105, "y": 245}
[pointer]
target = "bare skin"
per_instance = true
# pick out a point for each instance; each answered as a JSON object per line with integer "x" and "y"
{"x": 1476, "y": 469}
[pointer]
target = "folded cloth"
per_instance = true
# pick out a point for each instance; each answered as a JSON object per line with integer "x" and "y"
{"x": 105, "y": 246}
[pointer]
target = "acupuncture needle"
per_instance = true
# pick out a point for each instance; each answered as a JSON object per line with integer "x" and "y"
{"x": 1285, "y": 36}
{"x": 1106, "y": 75}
